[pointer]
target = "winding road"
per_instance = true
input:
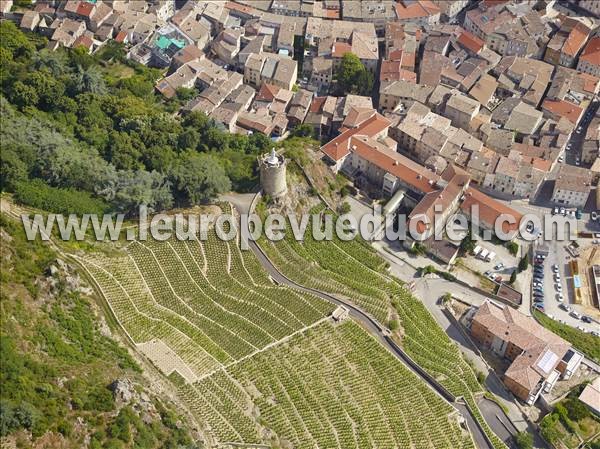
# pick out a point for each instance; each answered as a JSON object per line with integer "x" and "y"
{"x": 382, "y": 336}
{"x": 243, "y": 204}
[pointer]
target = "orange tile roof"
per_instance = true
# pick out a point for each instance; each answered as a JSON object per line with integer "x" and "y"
{"x": 83, "y": 41}
{"x": 424, "y": 212}
{"x": 332, "y": 13}
{"x": 489, "y": 210}
{"x": 576, "y": 39}
{"x": 591, "y": 52}
{"x": 85, "y": 9}
{"x": 392, "y": 71}
{"x": 317, "y": 104}
{"x": 120, "y": 37}
{"x": 396, "y": 164}
{"x": 267, "y": 92}
{"x": 239, "y": 7}
{"x": 396, "y": 55}
{"x": 590, "y": 82}
{"x": 420, "y": 8}
{"x": 339, "y": 147}
{"x": 564, "y": 109}
{"x": 339, "y": 49}
{"x": 470, "y": 42}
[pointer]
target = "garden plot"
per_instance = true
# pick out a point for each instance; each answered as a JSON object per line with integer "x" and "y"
{"x": 259, "y": 363}
{"x": 166, "y": 359}
{"x": 332, "y": 387}
{"x": 350, "y": 270}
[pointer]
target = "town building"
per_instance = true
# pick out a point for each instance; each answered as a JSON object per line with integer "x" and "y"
{"x": 589, "y": 60}
{"x": 572, "y": 186}
{"x": 538, "y": 358}
{"x": 566, "y": 44}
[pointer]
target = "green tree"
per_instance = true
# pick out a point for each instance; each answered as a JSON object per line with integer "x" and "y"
{"x": 523, "y": 263}
{"x": 14, "y": 40}
{"x": 88, "y": 80}
{"x": 524, "y": 440}
{"x": 12, "y": 169}
{"x": 200, "y": 177}
{"x": 353, "y": 77}
{"x": 23, "y": 95}
{"x": 303, "y": 130}
{"x": 138, "y": 85}
{"x": 513, "y": 277}
{"x": 513, "y": 248}
{"x": 344, "y": 208}
{"x": 140, "y": 187}
{"x": 467, "y": 245}
{"x": 55, "y": 62}
{"x": 576, "y": 409}
{"x": 185, "y": 93}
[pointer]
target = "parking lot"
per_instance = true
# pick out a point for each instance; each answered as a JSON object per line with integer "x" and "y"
{"x": 558, "y": 292}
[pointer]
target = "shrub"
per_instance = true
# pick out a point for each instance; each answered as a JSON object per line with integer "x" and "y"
{"x": 513, "y": 248}
{"x": 524, "y": 440}
{"x": 523, "y": 263}
{"x": 40, "y": 195}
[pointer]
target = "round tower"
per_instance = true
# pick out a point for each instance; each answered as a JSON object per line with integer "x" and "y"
{"x": 272, "y": 174}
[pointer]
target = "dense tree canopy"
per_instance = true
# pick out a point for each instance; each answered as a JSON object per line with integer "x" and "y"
{"x": 93, "y": 123}
{"x": 353, "y": 77}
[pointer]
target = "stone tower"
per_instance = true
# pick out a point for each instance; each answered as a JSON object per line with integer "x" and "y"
{"x": 272, "y": 174}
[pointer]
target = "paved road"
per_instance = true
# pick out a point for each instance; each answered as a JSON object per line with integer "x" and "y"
{"x": 575, "y": 143}
{"x": 437, "y": 287}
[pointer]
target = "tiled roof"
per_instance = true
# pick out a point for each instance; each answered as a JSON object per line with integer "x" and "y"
{"x": 564, "y": 109}
{"x": 536, "y": 342}
{"x": 470, "y": 42}
{"x": 576, "y": 39}
{"x": 489, "y": 209}
{"x": 339, "y": 147}
{"x": 418, "y": 9}
{"x": 85, "y": 9}
{"x": 396, "y": 164}
{"x": 591, "y": 52}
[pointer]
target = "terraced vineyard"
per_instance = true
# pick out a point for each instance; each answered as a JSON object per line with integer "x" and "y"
{"x": 314, "y": 391}
{"x": 260, "y": 363}
{"x": 347, "y": 269}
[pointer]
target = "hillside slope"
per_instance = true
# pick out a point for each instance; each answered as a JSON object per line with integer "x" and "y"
{"x": 66, "y": 383}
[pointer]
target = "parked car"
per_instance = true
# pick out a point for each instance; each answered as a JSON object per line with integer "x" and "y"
{"x": 595, "y": 333}
{"x": 555, "y": 210}
{"x": 586, "y": 319}
{"x": 499, "y": 266}
{"x": 559, "y": 297}
{"x": 563, "y": 211}
{"x": 578, "y": 214}
{"x": 575, "y": 314}
{"x": 594, "y": 215}
{"x": 558, "y": 287}
{"x": 565, "y": 307}
{"x": 555, "y": 268}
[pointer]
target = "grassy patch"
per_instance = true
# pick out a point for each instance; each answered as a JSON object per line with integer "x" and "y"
{"x": 586, "y": 343}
